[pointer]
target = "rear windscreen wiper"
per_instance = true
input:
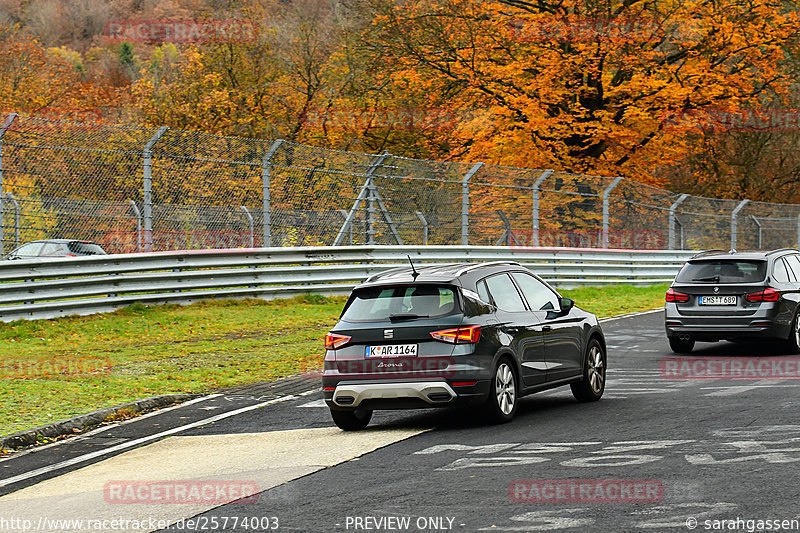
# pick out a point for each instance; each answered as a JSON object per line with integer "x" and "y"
{"x": 709, "y": 278}
{"x": 406, "y": 316}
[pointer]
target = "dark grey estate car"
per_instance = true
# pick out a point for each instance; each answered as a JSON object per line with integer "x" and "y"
{"x": 735, "y": 296}
{"x": 464, "y": 334}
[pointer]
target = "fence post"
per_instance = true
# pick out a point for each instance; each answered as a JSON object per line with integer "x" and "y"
{"x": 265, "y": 190}
{"x": 252, "y": 225}
{"x": 344, "y": 214}
{"x": 465, "y": 203}
{"x": 148, "y": 188}
{"x": 536, "y": 185}
{"x": 758, "y": 225}
{"x": 16, "y": 218}
{"x": 138, "y": 215}
{"x": 422, "y": 219}
{"x": 3, "y": 129}
{"x": 734, "y": 223}
{"x": 606, "y": 198}
{"x": 672, "y": 218}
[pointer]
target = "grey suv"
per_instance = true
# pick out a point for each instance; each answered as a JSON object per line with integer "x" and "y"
{"x": 735, "y": 296}
{"x": 465, "y": 334}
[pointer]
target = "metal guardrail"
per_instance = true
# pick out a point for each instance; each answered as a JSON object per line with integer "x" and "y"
{"x": 51, "y": 288}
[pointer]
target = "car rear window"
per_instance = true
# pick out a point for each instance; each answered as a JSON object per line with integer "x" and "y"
{"x": 405, "y": 302}
{"x": 723, "y": 271}
{"x": 85, "y": 248}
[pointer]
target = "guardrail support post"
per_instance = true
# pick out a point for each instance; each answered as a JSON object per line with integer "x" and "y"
{"x": 672, "y": 219}
{"x": 465, "y": 203}
{"x": 16, "y": 218}
{"x": 734, "y": 222}
{"x": 422, "y": 219}
{"x": 3, "y": 129}
{"x": 148, "y": 188}
{"x": 535, "y": 191}
{"x": 758, "y": 225}
{"x": 252, "y": 225}
{"x": 606, "y": 198}
{"x": 265, "y": 191}
{"x": 138, "y": 215}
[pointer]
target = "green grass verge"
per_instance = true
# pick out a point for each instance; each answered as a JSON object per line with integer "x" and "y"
{"x": 55, "y": 369}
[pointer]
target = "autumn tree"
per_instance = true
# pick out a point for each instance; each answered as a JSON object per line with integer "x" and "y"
{"x": 582, "y": 85}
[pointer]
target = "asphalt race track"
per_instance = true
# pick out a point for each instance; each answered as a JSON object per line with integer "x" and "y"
{"x": 657, "y": 453}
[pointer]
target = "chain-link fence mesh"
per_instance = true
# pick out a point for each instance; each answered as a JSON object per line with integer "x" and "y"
{"x": 137, "y": 189}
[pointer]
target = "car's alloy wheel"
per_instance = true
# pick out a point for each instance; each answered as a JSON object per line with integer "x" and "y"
{"x": 351, "y": 419}
{"x": 591, "y": 387}
{"x": 502, "y": 402}
{"x": 681, "y": 344}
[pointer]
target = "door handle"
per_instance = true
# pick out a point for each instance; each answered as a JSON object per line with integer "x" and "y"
{"x": 546, "y": 328}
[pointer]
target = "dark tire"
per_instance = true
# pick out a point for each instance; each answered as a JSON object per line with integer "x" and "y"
{"x": 591, "y": 387}
{"x": 503, "y": 393}
{"x": 794, "y": 334}
{"x": 352, "y": 419}
{"x": 679, "y": 345}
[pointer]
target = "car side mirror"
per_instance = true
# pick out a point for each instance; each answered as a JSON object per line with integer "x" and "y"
{"x": 566, "y": 305}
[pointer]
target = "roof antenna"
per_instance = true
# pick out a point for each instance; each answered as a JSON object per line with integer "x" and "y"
{"x": 414, "y": 270}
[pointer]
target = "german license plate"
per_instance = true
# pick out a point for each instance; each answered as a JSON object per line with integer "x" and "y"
{"x": 718, "y": 300}
{"x": 391, "y": 350}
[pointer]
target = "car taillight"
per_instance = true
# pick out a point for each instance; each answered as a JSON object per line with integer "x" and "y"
{"x": 677, "y": 297}
{"x": 468, "y": 335}
{"x": 333, "y": 341}
{"x": 767, "y": 295}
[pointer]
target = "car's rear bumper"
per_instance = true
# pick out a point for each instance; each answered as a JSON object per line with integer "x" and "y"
{"x": 735, "y": 328}
{"x": 383, "y": 394}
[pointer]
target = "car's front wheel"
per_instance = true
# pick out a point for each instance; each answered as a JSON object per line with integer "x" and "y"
{"x": 681, "y": 343}
{"x": 502, "y": 402}
{"x": 794, "y": 334}
{"x": 351, "y": 419}
{"x": 591, "y": 387}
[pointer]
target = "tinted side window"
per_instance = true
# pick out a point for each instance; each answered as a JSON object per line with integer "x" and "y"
{"x": 789, "y": 271}
{"x": 539, "y": 297}
{"x": 483, "y": 292}
{"x": 794, "y": 262}
{"x": 504, "y": 292}
{"x": 779, "y": 272}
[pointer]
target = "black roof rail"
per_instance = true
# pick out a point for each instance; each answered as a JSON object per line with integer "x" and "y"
{"x": 708, "y": 252}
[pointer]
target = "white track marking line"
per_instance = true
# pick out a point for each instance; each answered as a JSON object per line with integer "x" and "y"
{"x": 136, "y": 442}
